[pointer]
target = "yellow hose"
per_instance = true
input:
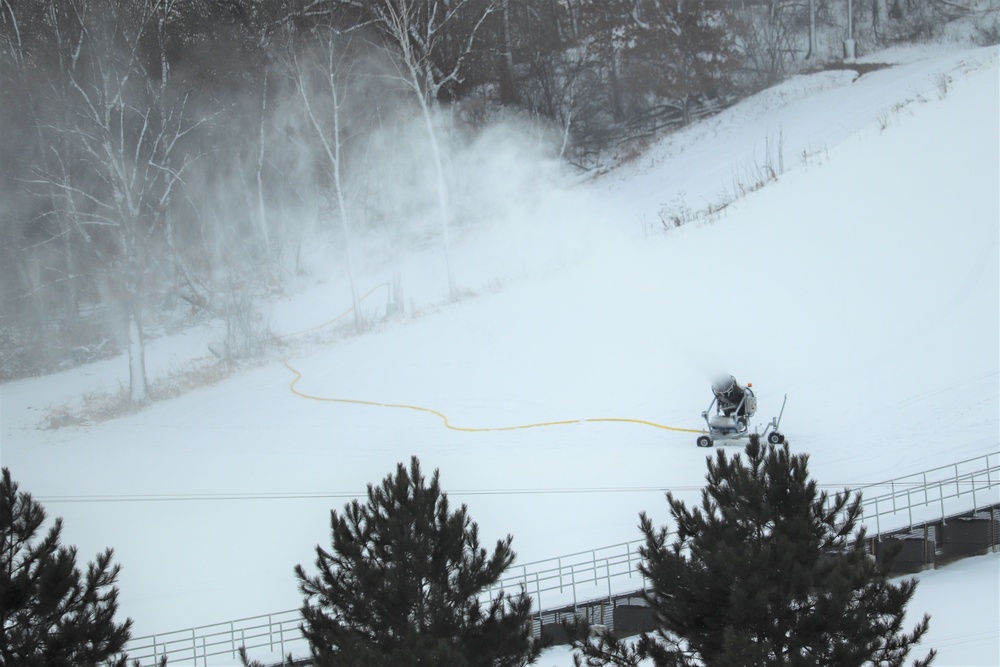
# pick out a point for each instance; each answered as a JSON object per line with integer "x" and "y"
{"x": 469, "y": 429}
{"x": 444, "y": 417}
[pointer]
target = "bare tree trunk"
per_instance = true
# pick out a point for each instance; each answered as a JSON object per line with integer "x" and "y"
{"x": 261, "y": 208}
{"x": 136, "y": 353}
{"x": 331, "y": 139}
{"x": 812, "y": 29}
{"x": 508, "y": 87}
{"x": 442, "y": 192}
{"x": 345, "y": 220}
{"x": 417, "y": 42}
{"x": 400, "y": 24}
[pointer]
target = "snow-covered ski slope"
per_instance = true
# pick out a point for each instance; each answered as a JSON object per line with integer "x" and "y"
{"x": 863, "y": 282}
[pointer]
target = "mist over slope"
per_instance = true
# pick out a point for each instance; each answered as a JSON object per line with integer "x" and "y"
{"x": 863, "y": 281}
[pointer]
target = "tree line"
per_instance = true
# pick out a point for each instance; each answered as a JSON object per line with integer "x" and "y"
{"x": 768, "y": 570}
{"x": 164, "y": 160}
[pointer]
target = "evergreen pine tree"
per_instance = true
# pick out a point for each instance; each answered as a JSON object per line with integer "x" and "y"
{"x": 765, "y": 572}
{"x": 404, "y": 584}
{"x": 52, "y": 614}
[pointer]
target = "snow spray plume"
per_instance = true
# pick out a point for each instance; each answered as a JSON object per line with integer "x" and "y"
{"x": 369, "y": 150}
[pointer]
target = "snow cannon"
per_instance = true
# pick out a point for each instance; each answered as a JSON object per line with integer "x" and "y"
{"x": 728, "y": 415}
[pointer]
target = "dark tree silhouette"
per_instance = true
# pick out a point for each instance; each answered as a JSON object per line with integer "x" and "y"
{"x": 406, "y": 583}
{"x": 765, "y": 572}
{"x": 52, "y": 614}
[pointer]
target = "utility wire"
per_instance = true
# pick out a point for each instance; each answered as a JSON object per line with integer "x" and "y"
{"x": 308, "y": 495}
{"x": 314, "y": 495}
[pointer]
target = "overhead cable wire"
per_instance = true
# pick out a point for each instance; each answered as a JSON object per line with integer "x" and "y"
{"x": 335, "y": 494}
{"x": 311, "y": 495}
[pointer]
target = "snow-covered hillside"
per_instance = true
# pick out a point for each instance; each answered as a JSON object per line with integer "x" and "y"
{"x": 863, "y": 282}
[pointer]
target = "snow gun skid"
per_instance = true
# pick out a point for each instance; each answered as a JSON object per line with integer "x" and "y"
{"x": 734, "y": 405}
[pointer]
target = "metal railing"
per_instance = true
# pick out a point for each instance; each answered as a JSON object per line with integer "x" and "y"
{"x": 931, "y": 495}
{"x": 571, "y": 579}
{"x": 220, "y": 643}
{"x": 563, "y": 580}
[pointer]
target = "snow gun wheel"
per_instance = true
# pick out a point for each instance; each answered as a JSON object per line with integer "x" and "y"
{"x": 775, "y": 438}
{"x": 704, "y": 441}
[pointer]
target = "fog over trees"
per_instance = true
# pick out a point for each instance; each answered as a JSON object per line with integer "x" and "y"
{"x": 165, "y": 161}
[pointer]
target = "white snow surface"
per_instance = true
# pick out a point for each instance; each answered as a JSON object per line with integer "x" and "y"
{"x": 863, "y": 282}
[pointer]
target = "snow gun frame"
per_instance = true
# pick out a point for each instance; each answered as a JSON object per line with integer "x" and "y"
{"x": 725, "y": 429}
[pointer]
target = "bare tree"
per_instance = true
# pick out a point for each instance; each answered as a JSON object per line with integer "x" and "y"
{"x": 321, "y": 78}
{"x": 123, "y": 161}
{"x": 41, "y": 286}
{"x": 435, "y": 40}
